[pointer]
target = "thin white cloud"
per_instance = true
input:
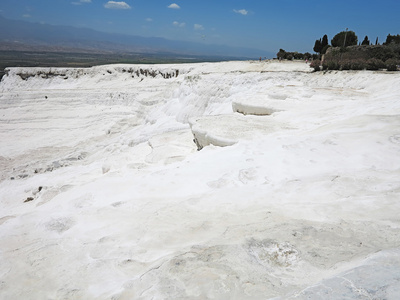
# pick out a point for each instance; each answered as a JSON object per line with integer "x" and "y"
{"x": 149, "y": 19}
{"x": 81, "y": 1}
{"x": 174, "y": 6}
{"x": 198, "y": 27}
{"x": 241, "y": 11}
{"x": 177, "y": 24}
{"x": 26, "y": 16}
{"x": 116, "y": 5}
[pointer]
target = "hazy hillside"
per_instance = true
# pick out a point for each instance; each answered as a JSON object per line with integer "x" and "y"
{"x": 18, "y": 34}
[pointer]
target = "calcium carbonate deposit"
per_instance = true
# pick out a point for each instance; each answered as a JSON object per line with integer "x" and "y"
{"x": 231, "y": 180}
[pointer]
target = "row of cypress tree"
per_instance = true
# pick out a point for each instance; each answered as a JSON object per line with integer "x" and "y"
{"x": 349, "y": 38}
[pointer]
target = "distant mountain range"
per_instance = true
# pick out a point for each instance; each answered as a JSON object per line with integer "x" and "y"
{"x": 25, "y": 36}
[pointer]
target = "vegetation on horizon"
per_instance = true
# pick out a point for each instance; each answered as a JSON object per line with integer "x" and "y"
{"x": 346, "y": 53}
{"x": 282, "y": 54}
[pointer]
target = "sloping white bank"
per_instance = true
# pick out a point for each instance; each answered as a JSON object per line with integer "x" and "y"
{"x": 103, "y": 194}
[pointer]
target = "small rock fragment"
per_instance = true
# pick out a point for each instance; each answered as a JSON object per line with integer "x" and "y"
{"x": 105, "y": 168}
{"x": 28, "y": 199}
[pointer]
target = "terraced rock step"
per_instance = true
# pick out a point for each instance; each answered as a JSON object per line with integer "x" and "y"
{"x": 262, "y": 105}
{"x": 227, "y": 130}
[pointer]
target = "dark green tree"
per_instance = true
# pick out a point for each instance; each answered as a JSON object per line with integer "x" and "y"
{"x": 323, "y": 51}
{"x": 376, "y": 42}
{"x": 366, "y": 41}
{"x": 318, "y": 46}
{"x": 324, "y": 42}
{"x": 344, "y": 39}
{"x": 281, "y": 54}
{"x": 307, "y": 55}
{"x": 392, "y": 39}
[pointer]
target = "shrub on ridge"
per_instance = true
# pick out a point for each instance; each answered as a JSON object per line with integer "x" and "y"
{"x": 331, "y": 65}
{"x": 315, "y": 64}
{"x": 358, "y": 64}
{"x": 391, "y": 64}
{"x": 345, "y": 64}
{"x": 374, "y": 64}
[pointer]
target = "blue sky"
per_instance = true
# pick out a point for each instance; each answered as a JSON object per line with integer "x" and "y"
{"x": 268, "y": 25}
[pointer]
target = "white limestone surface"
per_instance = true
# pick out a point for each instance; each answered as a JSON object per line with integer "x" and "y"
{"x": 103, "y": 194}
